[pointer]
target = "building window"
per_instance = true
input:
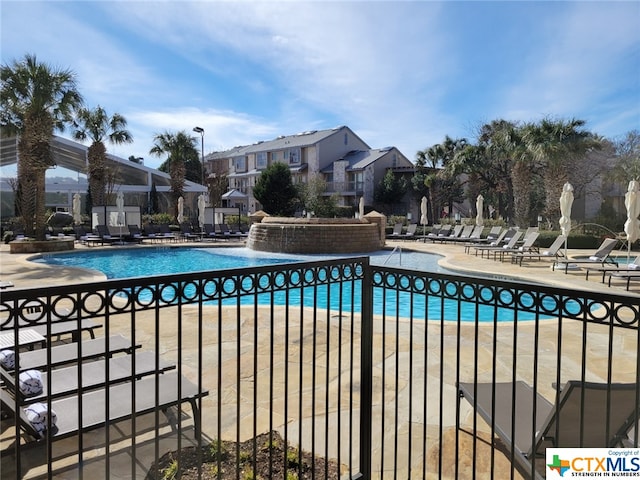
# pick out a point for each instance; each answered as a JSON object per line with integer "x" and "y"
{"x": 346, "y": 139}
{"x": 261, "y": 160}
{"x": 294, "y": 156}
{"x": 240, "y": 165}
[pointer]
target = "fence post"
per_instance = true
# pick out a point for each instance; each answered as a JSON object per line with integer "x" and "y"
{"x": 366, "y": 372}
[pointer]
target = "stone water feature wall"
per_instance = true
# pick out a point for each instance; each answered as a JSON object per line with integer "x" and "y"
{"x": 317, "y": 235}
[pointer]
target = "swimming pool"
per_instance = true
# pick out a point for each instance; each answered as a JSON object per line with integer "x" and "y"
{"x": 128, "y": 263}
{"x": 133, "y": 262}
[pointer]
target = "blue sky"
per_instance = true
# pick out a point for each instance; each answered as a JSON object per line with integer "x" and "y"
{"x": 398, "y": 73}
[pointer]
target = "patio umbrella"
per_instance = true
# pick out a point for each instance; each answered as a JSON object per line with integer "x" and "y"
{"x": 361, "y": 208}
{"x": 201, "y": 206}
{"x": 120, "y": 207}
{"x": 632, "y": 226}
{"x": 423, "y": 215}
{"x": 566, "y": 201}
{"x": 180, "y": 210}
{"x": 75, "y": 209}
{"x": 479, "y": 206}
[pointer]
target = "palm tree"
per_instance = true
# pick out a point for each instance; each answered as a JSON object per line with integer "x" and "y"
{"x": 560, "y": 146}
{"x": 36, "y": 100}
{"x": 97, "y": 126}
{"x": 178, "y": 147}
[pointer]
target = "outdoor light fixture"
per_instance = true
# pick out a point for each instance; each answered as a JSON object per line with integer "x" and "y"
{"x": 201, "y": 132}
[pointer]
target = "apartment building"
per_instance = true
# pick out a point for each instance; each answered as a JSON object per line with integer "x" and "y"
{"x": 349, "y": 166}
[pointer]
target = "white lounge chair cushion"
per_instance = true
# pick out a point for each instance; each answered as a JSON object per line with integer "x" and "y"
{"x": 631, "y": 266}
{"x": 8, "y": 359}
{"x": 37, "y": 415}
{"x": 595, "y": 259}
{"x": 30, "y": 382}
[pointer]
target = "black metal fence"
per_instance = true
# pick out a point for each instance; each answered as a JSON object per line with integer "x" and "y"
{"x": 310, "y": 370}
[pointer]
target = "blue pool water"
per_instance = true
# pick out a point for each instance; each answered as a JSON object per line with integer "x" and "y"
{"x": 128, "y": 263}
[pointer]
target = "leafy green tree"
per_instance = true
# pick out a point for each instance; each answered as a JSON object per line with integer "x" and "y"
{"x": 191, "y": 156}
{"x": 178, "y": 147}
{"x": 627, "y": 166}
{"x": 274, "y": 189}
{"x": 36, "y": 99}
{"x": 391, "y": 189}
{"x": 97, "y": 126}
{"x": 153, "y": 199}
{"x": 313, "y": 200}
{"x": 444, "y": 187}
{"x": 419, "y": 181}
{"x": 561, "y": 147}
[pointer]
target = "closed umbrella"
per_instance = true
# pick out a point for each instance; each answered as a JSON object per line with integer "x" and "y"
{"x": 180, "y": 210}
{"x": 201, "y": 206}
{"x": 423, "y": 215}
{"x": 120, "y": 207}
{"x": 479, "y": 207}
{"x": 75, "y": 209}
{"x": 632, "y": 225}
{"x": 566, "y": 201}
{"x": 361, "y": 208}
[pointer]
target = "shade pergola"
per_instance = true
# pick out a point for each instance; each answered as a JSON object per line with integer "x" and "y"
{"x": 133, "y": 177}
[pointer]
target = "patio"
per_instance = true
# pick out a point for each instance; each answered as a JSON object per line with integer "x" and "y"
{"x": 426, "y": 350}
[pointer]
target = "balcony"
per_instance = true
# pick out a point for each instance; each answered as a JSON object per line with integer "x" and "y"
{"x": 337, "y": 357}
{"x": 345, "y": 188}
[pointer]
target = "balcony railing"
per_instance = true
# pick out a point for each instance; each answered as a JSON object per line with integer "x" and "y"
{"x": 345, "y": 187}
{"x": 357, "y": 365}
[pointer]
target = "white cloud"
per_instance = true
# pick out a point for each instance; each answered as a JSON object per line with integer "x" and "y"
{"x": 579, "y": 63}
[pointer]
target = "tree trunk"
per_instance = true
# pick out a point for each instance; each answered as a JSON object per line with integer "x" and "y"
{"x": 97, "y": 173}
{"x": 34, "y": 160}
{"x": 521, "y": 180}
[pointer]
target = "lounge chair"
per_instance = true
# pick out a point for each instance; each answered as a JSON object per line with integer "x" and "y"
{"x": 464, "y": 234}
{"x": 514, "y": 236}
{"x": 469, "y": 233}
{"x": 33, "y": 317}
{"x": 172, "y": 389}
{"x": 135, "y": 234}
{"x": 632, "y": 268}
{"x": 81, "y": 234}
{"x": 64, "y": 381}
{"x": 627, "y": 275}
{"x": 209, "y": 232}
{"x": 397, "y": 231}
{"x": 488, "y": 241}
{"x": 105, "y": 235}
{"x": 188, "y": 234}
{"x": 553, "y": 252}
{"x": 453, "y": 234}
{"x": 410, "y": 233}
{"x": 231, "y": 233}
{"x": 440, "y": 232}
{"x": 601, "y": 256}
{"x": 529, "y": 231}
{"x": 493, "y": 234}
{"x": 586, "y": 415}
{"x": 66, "y": 353}
{"x": 164, "y": 233}
{"x": 528, "y": 245}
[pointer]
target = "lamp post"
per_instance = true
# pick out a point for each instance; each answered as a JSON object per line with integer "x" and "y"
{"x": 201, "y": 132}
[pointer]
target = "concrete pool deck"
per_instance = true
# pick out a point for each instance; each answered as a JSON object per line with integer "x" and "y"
{"x": 16, "y": 268}
{"x": 24, "y": 274}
